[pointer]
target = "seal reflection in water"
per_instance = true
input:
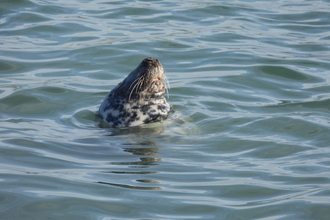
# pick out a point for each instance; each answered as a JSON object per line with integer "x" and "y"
{"x": 139, "y": 98}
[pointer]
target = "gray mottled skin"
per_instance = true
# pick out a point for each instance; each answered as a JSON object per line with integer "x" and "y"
{"x": 139, "y": 98}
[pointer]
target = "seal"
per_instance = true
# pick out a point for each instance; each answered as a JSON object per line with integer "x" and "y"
{"x": 139, "y": 98}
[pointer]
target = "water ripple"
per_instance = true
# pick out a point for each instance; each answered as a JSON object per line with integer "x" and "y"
{"x": 250, "y": 88}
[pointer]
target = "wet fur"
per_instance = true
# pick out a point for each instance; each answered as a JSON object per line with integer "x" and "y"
{"x": 139, "y": 98}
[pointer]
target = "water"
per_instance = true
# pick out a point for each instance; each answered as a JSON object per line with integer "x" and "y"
{"x": 250, "y": 84}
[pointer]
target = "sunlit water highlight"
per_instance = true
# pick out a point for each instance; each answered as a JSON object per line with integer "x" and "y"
{"x": 250, "y": 85}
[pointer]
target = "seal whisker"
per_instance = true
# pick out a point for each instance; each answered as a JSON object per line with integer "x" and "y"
{"x": 140, "y": 84}
{"x": 139, "y": 88}
{"x": 167, "y": 86}
{"x": 139, "y": 98}
{"x": 134, "y": 87}
{"x": 137, "y": 79}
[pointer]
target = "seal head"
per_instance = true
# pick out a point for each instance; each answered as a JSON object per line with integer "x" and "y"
{"x": 139, "y": 98}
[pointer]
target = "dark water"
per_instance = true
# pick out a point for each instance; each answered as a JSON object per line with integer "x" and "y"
{"x": 250, "y": 83}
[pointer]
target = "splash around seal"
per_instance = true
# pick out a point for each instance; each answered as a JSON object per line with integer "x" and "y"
{"x": 139, "y": 98}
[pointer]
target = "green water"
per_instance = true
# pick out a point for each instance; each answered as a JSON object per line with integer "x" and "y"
{"x": 249, "y": 81}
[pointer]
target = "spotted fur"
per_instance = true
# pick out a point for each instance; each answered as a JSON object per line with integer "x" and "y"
{"x": 139, "y": 98}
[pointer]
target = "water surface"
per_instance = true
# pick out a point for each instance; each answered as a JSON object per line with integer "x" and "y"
{"x": 249, "y": 81}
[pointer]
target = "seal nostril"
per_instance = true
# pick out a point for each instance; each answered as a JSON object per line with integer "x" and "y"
{"x": 151, "y": 60}
{"x": 139, "y": 98}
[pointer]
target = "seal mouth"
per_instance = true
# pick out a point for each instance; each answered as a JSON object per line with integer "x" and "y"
{"x": 139, "y": 98}
{"x": 149, "y": 80}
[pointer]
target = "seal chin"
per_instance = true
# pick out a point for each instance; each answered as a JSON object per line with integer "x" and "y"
{"x": 139, "y": 98}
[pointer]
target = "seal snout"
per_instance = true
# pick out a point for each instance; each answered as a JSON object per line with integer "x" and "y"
{"x": 150, "y": 59}
{"x": 152, "y": 64}
{"x": 139, "y": 98}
